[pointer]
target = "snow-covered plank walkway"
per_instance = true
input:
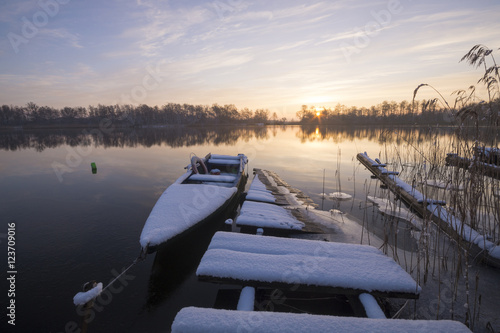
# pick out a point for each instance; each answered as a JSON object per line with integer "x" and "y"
{"x": 203, "y": 320}
{"x": 265, "y": 215}
{"x": 258, "y": 191}
{"x": 433, "y": 209}
{"x": 306, "y": 264}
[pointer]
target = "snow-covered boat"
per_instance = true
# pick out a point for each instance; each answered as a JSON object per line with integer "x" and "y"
{"x": 209, "y": 186}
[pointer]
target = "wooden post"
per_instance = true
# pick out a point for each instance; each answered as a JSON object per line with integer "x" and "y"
{"x": 88, "y": 306}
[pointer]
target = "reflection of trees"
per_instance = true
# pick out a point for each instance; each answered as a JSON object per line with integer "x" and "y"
{"x": 147, "y": 137}
{"x": 381, "y": 135}
{"x": 181, "y": 136}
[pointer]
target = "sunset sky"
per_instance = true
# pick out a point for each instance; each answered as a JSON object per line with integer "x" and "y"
{"x": 257, "y": 54}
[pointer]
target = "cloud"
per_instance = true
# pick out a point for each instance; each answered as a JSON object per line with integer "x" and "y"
{"x": 158, "y": 25}
{"x": 62, "y": 34}
{"x": 11, "y": 11}
{"x": 206, "y": 61}
{"x": 292, "y": 45}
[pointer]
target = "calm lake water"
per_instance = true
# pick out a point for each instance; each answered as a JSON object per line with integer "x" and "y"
{"x": 74, "y": 226}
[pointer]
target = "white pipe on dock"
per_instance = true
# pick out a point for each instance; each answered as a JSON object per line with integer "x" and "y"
{"x": 371, "y": 306}
{"x": 247, "y": 299}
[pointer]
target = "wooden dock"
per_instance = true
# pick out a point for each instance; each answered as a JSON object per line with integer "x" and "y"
{"x": 304, "y": 265}
{"x": 482, "y": 168}
{"x": 277, "y": 207}
{"x": 352, "y": 274}
{"x": 433, "y": 210}
{"x": 200, "y": 320}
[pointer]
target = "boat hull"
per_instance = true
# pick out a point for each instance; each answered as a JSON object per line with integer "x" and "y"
{"x": 188, "y": 203}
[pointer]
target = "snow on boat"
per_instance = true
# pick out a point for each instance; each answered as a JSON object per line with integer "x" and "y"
{"x": 209, "y": 186}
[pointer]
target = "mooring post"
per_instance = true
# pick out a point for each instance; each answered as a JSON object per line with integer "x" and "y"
{"x": 87, "y": 307}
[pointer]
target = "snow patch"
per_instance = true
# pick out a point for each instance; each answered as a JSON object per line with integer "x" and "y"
{"x": 261, "y": 196}
{"x": 264, "y": 215}
{"x": 84, "y": 297}
{"x": 386, "y": 206}
{"x": 339, "y": 196}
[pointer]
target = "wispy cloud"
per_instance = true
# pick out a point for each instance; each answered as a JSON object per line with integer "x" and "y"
{"x": 214, "y": 60}
{"x": 11, "y": 11}
{"x": 158, "y": 25}
{"x": 62, "y": 34}
{"x": 292, "y": 45}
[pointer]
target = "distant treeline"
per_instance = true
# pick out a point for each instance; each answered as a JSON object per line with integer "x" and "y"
{"x": 418, "y": 112}
{"x": 404, "y": 113}
{"x": 131, "y": 116}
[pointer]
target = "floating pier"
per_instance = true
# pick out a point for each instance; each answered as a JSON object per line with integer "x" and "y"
{"x": 435, "y": 210}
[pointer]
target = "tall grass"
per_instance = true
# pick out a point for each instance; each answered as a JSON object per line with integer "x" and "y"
{"x": 471, "y": 196}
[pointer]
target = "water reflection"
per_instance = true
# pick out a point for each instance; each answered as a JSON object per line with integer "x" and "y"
{"x": 376, "y": 134}
{"x": 175, "y": 137}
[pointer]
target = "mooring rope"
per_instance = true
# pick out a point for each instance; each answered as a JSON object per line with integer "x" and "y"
{"x": 140, "y": 258}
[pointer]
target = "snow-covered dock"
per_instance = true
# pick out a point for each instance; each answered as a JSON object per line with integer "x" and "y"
{"x": 269, "y": 182}
{"x": 265, "y": 215}
{"x": 274, "y": 205}
{"x": 435, "y": 210}
{"x": 475, "y": 164}
{"x": 305, "y": 265}
{"x": 203, "y": 320}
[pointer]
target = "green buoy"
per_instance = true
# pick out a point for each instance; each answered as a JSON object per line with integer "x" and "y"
{"x": 94, "y": 167}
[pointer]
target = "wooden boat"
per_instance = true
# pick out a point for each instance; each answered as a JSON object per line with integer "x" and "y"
{"x": 210, "y": 185}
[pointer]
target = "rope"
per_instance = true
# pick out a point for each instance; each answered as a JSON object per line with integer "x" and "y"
{"x": 140, "y": 258}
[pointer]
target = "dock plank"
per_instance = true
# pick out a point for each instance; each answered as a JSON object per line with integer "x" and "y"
{"x": 304, "y": 265}
{"x": 193, "y": 319}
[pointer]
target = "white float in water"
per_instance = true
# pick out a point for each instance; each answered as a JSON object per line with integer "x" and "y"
{"x": 339, "y": 196}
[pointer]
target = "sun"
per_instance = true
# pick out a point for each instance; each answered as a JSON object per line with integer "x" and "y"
{"x": 318, "y": 113}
